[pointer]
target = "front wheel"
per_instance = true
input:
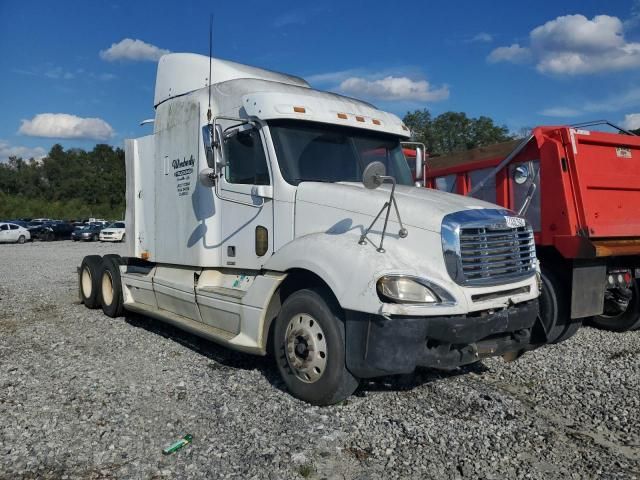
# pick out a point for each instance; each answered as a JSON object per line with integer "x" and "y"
{"x": 309, "y": 348}
{"x": 628, "y": 319}
{"x": 555, "y": 309}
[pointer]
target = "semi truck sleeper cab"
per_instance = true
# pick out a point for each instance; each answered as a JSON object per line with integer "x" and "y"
{"x": 286, "y": 218}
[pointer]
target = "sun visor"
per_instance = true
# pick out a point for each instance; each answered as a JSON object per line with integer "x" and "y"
{"x": 322, "y": 107}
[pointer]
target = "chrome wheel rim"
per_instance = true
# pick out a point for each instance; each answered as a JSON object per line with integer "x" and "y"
{"x": 306, "y": 348}
{"x": 107, "y": 288}
{"x": 86, "y": 282}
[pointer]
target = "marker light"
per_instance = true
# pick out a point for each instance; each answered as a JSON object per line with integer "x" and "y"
{"x": 342, "y": 116}
{"x": 299, "y": 109}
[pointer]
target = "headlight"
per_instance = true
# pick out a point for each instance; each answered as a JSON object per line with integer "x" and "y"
{"x": 400, "y": 289}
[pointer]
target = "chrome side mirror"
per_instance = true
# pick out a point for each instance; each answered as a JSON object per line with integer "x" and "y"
{"x": 521, "y": 174}
{"x": 372, "y": 176}
{"x": 218, "y": 142}
{"x": 207, "y": 176}
{"x": 207, "y": 136}
{"x": 419, "y": 162}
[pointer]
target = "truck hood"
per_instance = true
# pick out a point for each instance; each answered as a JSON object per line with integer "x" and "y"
{"x": 419, "y": 207}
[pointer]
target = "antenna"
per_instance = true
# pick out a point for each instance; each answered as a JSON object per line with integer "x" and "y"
{"x": 210, "y": 60}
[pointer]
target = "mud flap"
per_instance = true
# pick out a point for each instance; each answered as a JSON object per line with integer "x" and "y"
{"x": 587, "y": 290}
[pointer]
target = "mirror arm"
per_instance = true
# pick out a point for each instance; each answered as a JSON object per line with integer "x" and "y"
{"x": 402, "y": 233}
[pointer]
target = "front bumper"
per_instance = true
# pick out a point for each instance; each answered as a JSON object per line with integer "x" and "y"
{"x": 378, "y": 346}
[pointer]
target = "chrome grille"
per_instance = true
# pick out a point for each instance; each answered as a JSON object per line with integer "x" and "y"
{"x": 487, "y": 247}
{"x": 491, "y": 255}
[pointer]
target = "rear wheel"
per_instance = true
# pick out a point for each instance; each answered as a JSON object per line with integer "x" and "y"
{"x": 309, "y": 347}
{"x": 21, "y": 239}
{"x": 554, "y": 307}
{"x": 90, "y": 270}
{"x": 623, "y": 321}
{"x": 111, "y": 286}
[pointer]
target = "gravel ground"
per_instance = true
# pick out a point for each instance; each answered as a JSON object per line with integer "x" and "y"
{"x": 86, "y": 396}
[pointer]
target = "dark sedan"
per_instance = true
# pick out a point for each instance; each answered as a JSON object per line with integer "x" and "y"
{"x": 51, "y": 231}
{"x": 88, "y": 233}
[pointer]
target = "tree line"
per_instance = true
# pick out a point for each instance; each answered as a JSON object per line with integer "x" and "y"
{"x": 454, "y": 131}
{"x": 66, "y": 184}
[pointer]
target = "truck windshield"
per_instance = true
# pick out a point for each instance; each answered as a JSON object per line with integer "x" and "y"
{"x": 318, "y": 152}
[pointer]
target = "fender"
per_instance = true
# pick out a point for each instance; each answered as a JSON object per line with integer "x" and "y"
{"x": 351, "y": 270}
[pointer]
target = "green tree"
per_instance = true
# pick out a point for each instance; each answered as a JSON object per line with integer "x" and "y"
{"x": 454, "y": 131}
{"x": 66, "y": 184}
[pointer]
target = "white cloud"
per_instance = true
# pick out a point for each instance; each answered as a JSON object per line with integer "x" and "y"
{"x": 7, "y": 150}
{"x": 631, "y": 121}
{"x": 63, "y": 125}
{"x": 394, "y": 88}
{"x": 513, "y": 53}
{"x": 130, "y": 49}
{"x": 575, "y": 45}
{"x": 482, "y": 37}
{"x": 562, "y": 112}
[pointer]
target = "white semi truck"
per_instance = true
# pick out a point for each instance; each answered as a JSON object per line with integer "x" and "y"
{"x": 271, "y": 217}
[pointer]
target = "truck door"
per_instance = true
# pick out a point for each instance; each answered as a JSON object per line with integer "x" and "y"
{"x": 246, "y": 192}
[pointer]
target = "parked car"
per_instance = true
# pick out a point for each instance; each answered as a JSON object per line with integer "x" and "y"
{"x": 11, "y": 232}
{"x": 49, "y": 231}
{"x": 113, "y": 233}
{"x": 88, "y": 233}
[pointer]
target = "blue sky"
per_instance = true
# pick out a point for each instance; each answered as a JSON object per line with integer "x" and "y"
{"x": 69, "y": 76}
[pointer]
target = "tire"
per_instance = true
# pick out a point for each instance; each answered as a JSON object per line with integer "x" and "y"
{"x": 111, "y": 297}
{"x": 316, "y": 375}
{"x": 89, "y": 279}
{"x": 625, "y": 321}
{"x": 21, "y": 239}
{"x": 94, "y": 238}
{"x": 554, "y": 307}
{"x": 123, "y": 238}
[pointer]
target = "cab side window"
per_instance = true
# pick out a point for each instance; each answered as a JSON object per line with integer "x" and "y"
{"x": 13, "y": 227}
{"x": 245, "y": 158}
{"x": 4, "y": 227}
